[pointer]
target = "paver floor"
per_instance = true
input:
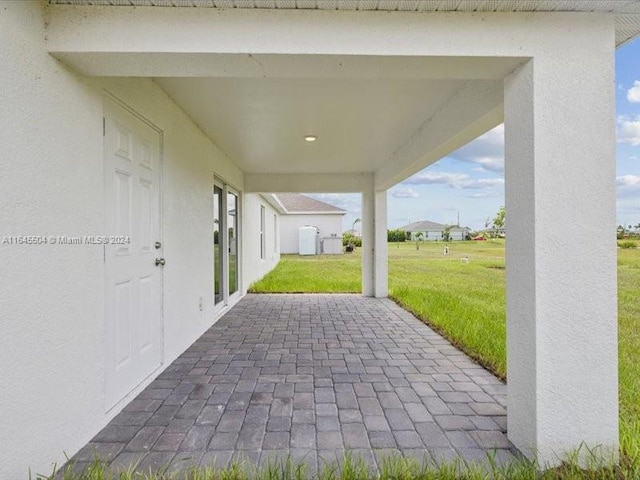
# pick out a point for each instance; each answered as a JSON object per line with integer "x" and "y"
{"x": 311, "y": 376}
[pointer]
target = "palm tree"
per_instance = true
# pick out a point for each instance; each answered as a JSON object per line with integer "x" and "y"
{"x": 352, "y": 236}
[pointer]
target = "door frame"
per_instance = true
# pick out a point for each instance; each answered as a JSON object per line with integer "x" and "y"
{"x": 227, "y": 298}
{"x": 111, "y": 103}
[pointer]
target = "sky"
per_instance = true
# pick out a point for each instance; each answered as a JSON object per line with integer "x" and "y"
{"x": 469, "y": 182}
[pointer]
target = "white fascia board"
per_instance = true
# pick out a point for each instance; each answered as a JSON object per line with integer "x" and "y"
{"x": 91, "y": 35}
{"x": 272, "y": 200}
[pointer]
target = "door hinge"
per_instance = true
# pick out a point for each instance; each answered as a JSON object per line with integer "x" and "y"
{"x": 104, "y": 126}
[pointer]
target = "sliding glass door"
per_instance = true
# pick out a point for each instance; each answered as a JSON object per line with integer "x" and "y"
{"x": 226, "y": 244}
{"x": 232, "y": 228}
{"x": 217, "y": 244}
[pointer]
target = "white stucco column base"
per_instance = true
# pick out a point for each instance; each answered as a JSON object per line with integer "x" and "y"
{"x": 561, "y": 268}
{"x": 375, "y": 270}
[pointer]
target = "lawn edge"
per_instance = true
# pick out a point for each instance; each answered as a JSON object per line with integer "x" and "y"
{"x": 456, "y": 343}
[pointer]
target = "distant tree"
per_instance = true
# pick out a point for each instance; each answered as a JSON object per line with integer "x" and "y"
{"x": 396, "y": 236}
{"x": 418, "y": 236}
{"x": 620, "y": 231}
{"x": 500, "y": 218}
{"x": 446, "y": 234}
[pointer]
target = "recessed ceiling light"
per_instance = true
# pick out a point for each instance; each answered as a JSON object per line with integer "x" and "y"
{"x": 310, "y": 138}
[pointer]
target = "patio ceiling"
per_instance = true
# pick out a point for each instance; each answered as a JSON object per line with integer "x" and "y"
{"x": 386, "y": 95}
{"x": 261, "y": 123}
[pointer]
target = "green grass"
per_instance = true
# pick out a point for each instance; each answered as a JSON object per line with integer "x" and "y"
{"x": 313, "y": 274}
{"x": 466, "y": 303}
{"x": 353, "y": 467}
{"x": 629, "y": 349}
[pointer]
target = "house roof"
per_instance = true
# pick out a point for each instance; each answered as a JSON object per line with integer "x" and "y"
{"x": 627, "y": 12}
{"x": 422, "y": 226}
{"x": 295, "y": 203}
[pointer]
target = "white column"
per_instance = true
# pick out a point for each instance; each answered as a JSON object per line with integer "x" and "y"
{"x": 561, "y": 253}
{"x": 380, "y": 257}
{"x": 368, "y": 243}
{"x": 374, "y": 243}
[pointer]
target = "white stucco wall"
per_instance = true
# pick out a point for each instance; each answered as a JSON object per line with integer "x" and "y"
{"x": 562, "y": 347}
{"x": 328, "y": 224}
{"x": 256, "y": 267}
{"x": 52, "y": 297}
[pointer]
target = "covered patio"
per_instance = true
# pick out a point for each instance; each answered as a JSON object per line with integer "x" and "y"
{"x": 165, "y": 123}
{"x": 311, "y": 376}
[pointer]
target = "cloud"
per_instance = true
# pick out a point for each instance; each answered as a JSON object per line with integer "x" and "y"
{"x": 436, "y": 178}
{"x": 453, "y": 180}
{"x": 629, "y": 130}
{"x": 486, "y": 151}
{"x": 632, "y": 181}
{"x": 405, "y": 193}
{"x": 628, "y": 186}
{"x": 483, "y": 195}
{"x": 633, "y": 94}
{"x": 633, "y": 209}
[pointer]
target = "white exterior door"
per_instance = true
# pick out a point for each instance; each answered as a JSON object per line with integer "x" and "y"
{"x": 133, "y": 279}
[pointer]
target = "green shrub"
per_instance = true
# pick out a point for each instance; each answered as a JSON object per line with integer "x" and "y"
{"x": 396, "y": 235}
{"x": 348, "y": 238}
{"x": 627, "y": 244}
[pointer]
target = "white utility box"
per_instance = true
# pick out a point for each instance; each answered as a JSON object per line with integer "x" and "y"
{"x": 308, "y": 240}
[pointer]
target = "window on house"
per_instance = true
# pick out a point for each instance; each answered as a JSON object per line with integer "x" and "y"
{"x": 263, "y": 249}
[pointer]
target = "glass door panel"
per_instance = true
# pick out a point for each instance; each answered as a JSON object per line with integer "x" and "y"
{"x": 232, "y": 228}
{"x": 217, "y": 245}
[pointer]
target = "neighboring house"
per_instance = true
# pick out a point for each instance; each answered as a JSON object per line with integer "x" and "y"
{"x": 157, "y": 125}
{"x": 299, "y": 211}
{"x": 431, "y": 231}
{"x": 435, "y": 232}
{"x": 459, "y": 233}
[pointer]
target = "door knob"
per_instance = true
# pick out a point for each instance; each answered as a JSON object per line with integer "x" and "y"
{"x": 158, "y": 245}
{"x": 159, "y": 261}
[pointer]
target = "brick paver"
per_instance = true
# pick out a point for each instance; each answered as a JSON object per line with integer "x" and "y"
{"x": 311, "y": 375}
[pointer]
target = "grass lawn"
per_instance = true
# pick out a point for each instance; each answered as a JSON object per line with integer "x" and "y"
{"x": 466, "y": 303}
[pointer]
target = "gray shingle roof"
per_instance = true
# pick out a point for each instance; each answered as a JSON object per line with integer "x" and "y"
{"x": 297, "y": 203}
{"x": 422, "y": 226}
